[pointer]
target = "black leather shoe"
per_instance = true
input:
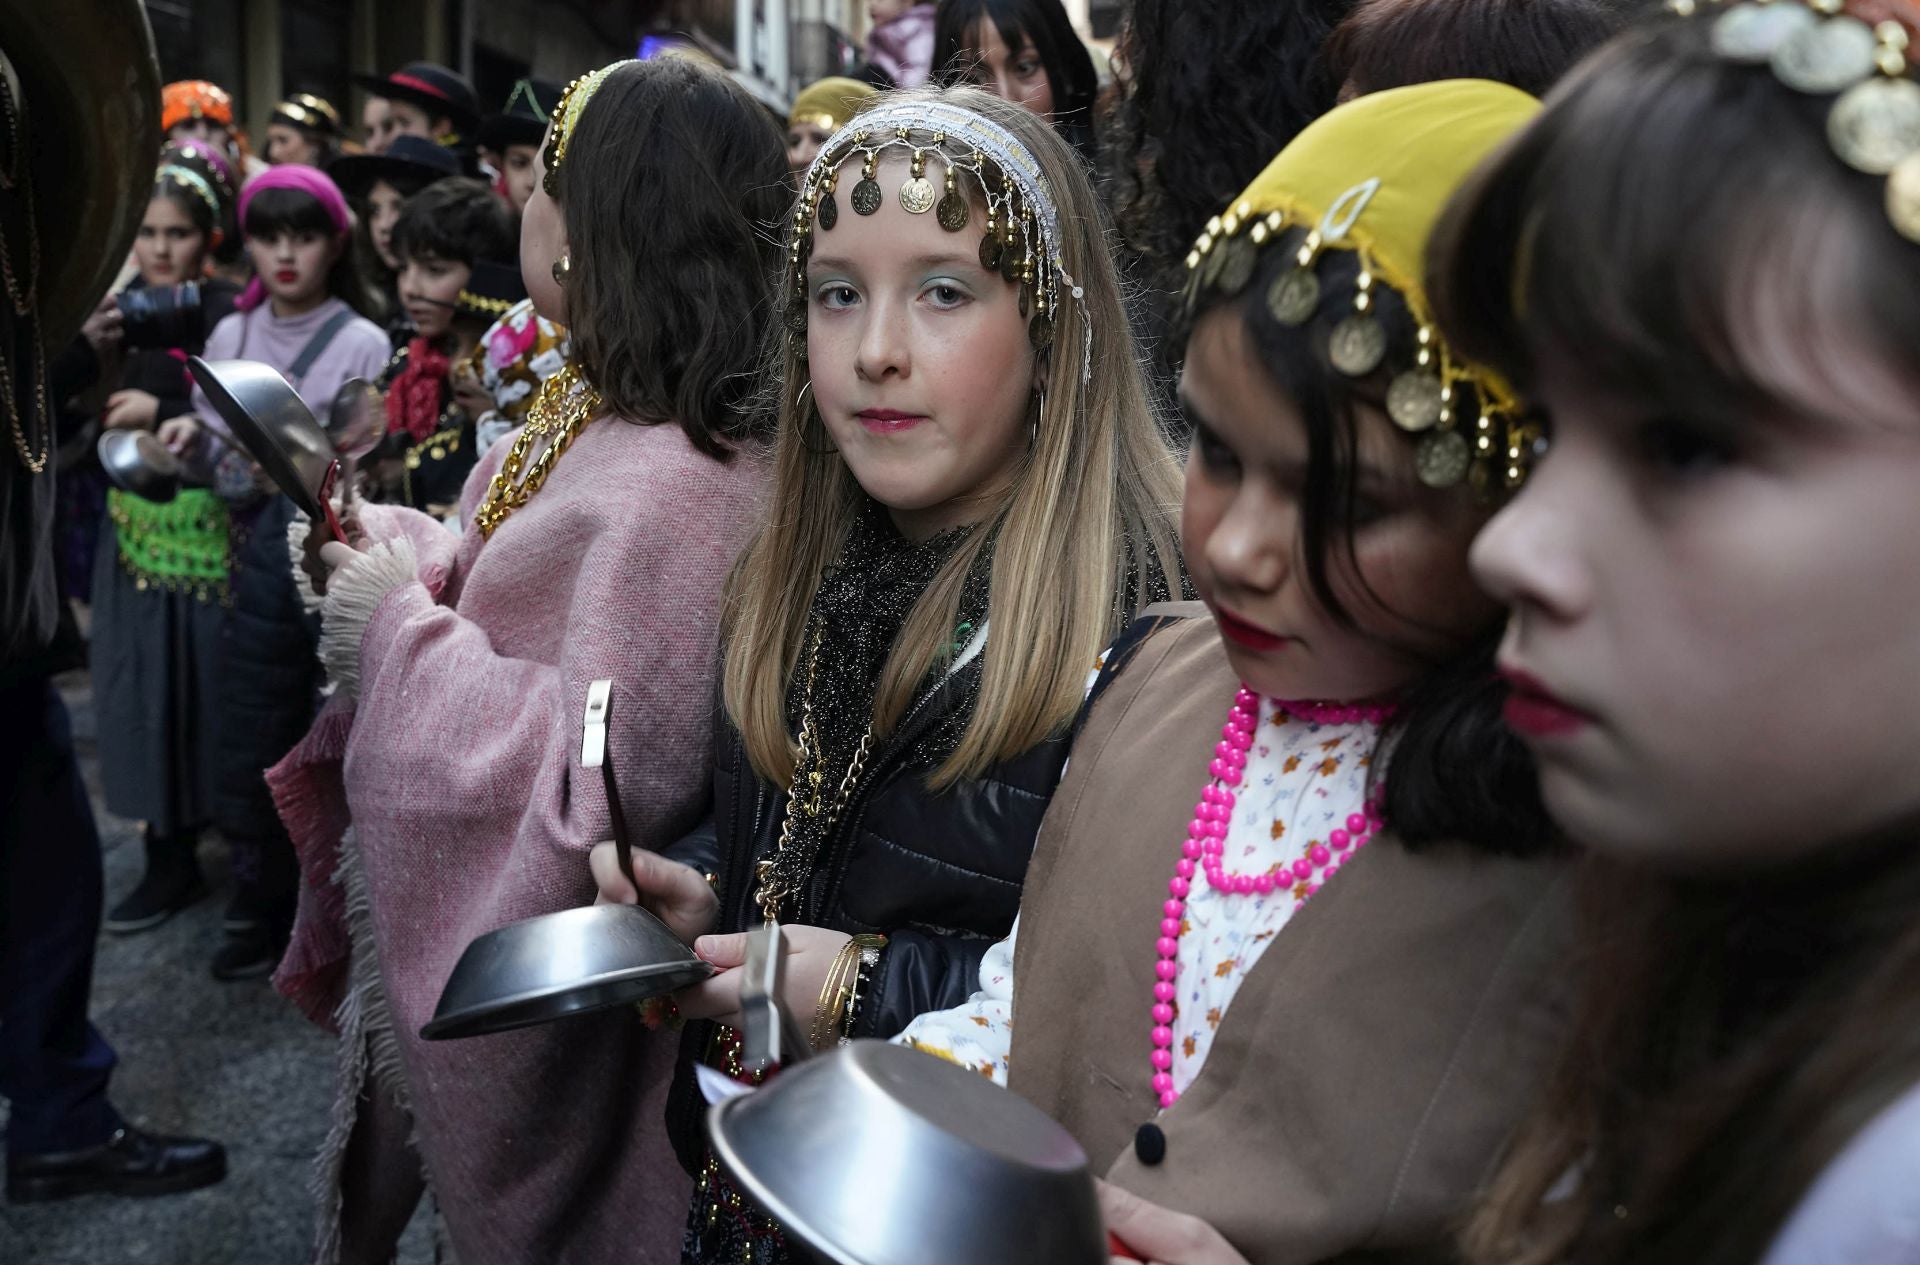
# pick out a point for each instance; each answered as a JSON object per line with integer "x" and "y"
{"x": 128, "y": 1163}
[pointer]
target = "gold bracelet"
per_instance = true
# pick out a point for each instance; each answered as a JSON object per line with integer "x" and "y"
{"x": 833, "y": 991}
{"x": 863, "y": 964}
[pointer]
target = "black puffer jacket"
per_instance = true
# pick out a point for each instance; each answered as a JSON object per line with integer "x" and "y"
{"x": 270, "y": 680}
{"x": 938, "y": 874}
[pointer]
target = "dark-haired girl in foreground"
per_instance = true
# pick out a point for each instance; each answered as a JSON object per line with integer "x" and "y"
{"x": 1288, "y": 940}
{"x": 1713, "y": 647}
{"x": 446, "y": 784}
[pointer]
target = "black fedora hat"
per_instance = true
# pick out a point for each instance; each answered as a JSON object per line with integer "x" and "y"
{"x": 410, "y": 164}
{"x": 492, "y": 290}
{"x": 434, "y": 88}
{"x": 524, "y": 120}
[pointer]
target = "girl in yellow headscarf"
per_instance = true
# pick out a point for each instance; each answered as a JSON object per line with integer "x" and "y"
{"x": 1292, "y": 921}
{"x": 822, "y": 108}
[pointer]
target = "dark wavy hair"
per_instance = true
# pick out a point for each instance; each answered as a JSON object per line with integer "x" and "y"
{"x": 673, "y": 189}
{"x": 459, "y": 220}
{"x": 1733, "y": 1031}
{"x": 1386, "y": 44}
{"x": 1204, "y": 107}
{"x": 1070, "y": 71}
{"x": 1458, "y": 771}
{"x": 275, "y": 211}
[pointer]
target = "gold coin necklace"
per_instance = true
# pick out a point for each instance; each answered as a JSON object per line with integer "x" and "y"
{"x": 566, "y": 403}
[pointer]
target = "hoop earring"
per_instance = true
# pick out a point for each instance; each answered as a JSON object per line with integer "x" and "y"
{"x": 799, "y": 404}
{"x": 562, "y": 269}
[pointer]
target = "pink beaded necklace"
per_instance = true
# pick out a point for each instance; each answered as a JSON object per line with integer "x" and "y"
{"x": 1205, "y": 846}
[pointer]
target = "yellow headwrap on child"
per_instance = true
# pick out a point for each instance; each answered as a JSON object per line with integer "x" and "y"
{"x": 829, "y": 103}
{"x": 1372, "y": 177}
{"x": 566, "y": 117}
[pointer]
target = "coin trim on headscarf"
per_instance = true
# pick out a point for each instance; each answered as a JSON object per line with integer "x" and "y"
{"x": 1875, "y": 124}
{"x": 1751, "y": 33}
{"x": 1413, "y": 400}
{"x": 1236, "y": 266}
{"x": 829, "y": 211}
{"x": 1829, "y": 56}
{"x": 1294, "y": 297}
{"x": 1903, "y": 197}
{"x": 1442, "y": 459}
{"x": 1357, "y": 346}
{"x": 866, "y": 197}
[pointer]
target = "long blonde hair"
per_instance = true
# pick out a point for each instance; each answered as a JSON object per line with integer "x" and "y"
{"x": 1091, "y": 515}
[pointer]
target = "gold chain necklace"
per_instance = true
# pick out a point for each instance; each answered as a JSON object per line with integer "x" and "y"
{"x": 566, "y": 403}
{"x": 806, "y": 795}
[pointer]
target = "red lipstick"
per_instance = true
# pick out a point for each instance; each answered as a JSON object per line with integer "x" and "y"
{"x": 286, "y": 276}
{"x": 1532, "y": 710}
{"x": 1242, "y": 633}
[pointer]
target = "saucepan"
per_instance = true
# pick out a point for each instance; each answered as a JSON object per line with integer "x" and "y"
{"x": 137, "y": 462}
{"x": 273, "y": 424}
{"x": 875, "y": 1154}
{"x": 573, "y": 962}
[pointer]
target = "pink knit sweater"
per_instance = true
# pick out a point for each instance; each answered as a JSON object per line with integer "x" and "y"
{"x": 458, "y": 772}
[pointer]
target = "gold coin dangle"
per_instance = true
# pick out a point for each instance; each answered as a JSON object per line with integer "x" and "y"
{"x": 1442, "y": 458}
{"x": 866, "y": 197}
{"x": 954, "y": 211}
{"x": 916, "y": 195}
{"x": 1414, "y": 400}
{"x": 1294, "y": 296}
{"x": 1358, "y": 345}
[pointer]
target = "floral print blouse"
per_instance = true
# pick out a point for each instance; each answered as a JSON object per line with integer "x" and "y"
{"x": 1302, "y": 781}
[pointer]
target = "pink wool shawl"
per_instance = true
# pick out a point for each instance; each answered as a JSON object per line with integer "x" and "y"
{"x": 459, "y": 772}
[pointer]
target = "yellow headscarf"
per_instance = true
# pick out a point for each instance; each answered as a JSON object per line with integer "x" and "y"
{"x": 1372, "y": 176}
{"x": 829, "y": 103}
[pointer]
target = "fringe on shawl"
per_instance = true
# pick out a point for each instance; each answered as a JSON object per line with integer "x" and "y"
{"x": 297, "y": 528}
{"x": 368, "y": 1049}
{"x": 354, "y": 593}
{"x": 308, "y": 792}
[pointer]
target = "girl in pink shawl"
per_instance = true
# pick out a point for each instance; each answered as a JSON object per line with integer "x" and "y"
{"x": 440, "y": 795}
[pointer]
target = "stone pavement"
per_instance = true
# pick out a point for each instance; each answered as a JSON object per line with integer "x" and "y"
{"x": 228, "y": 1061}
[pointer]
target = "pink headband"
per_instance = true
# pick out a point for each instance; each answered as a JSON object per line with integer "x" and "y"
{"x": 301, "y": 178}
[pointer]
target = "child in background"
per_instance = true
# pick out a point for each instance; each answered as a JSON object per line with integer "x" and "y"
{"x": 302, "y": 316}
{"x": 900, "y": 42}
{"x": 161, "y": 586}
{"x": 458, "y": 249}
{"x": 821, "y": 109}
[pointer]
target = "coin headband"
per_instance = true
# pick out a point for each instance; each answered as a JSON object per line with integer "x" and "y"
{"x": 1022, "y": 241}
{"x": 566, "y": 117}
{"x": 1432, "y": 397}
{"x": 308, "y": 111}
{"x": 1818, "y": 48}
{"x": 194, "y": 181}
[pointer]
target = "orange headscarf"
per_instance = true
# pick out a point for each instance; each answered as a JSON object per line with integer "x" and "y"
{"x": 194, "y": 99}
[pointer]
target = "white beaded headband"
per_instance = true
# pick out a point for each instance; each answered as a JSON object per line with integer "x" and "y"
{"x": 1022, "y": 241}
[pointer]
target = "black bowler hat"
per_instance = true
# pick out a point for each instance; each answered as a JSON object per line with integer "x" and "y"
{"x": 492, "y": 290}
{"x": 524, "y": 121}
{"x": 434, "y": 88}
{"x": 410, "y": 164}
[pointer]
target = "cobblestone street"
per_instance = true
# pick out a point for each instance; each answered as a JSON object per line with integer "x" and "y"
{"x": 229, "y": 1061}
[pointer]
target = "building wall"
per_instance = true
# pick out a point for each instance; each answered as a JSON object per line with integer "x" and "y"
{"x": 260, "y": 50}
